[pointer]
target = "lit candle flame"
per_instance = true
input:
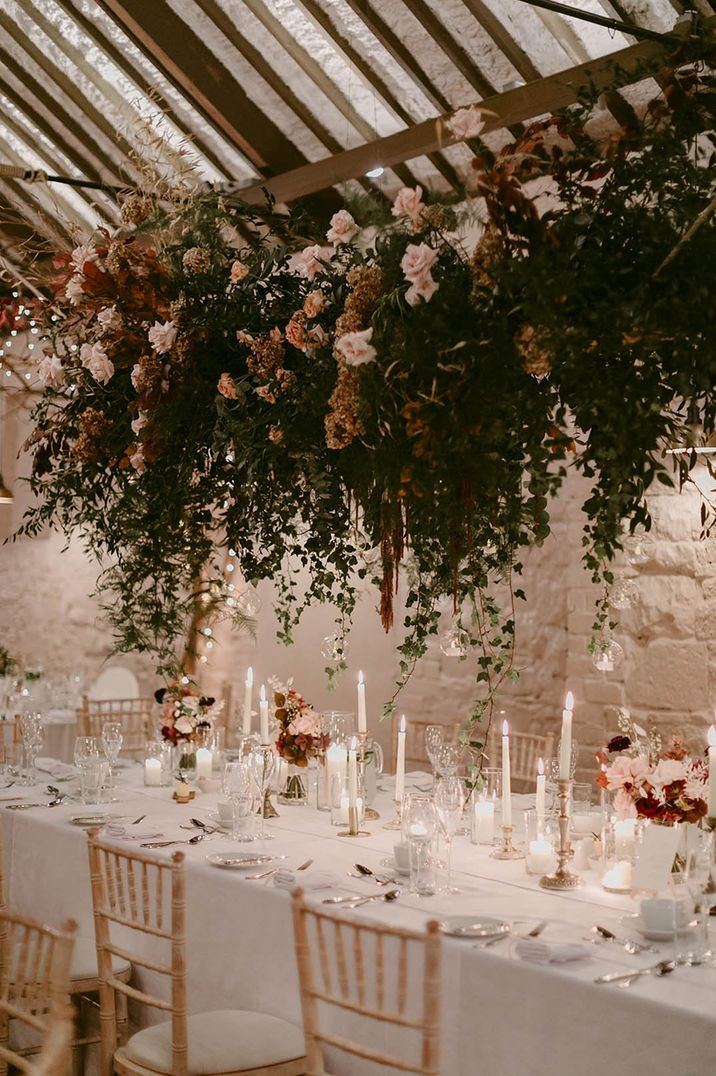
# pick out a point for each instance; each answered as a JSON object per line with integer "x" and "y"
{"x": 250, "y": 677}
{"x": 569, "y": 701}
{"x": 505, "y": 729}
{"x": 540, "y": 767}
{"x": 360, "y": 677}
{"x": 712, "y": 736}
{"x": 263, "y": 693}
{"x": 403, "y": 724}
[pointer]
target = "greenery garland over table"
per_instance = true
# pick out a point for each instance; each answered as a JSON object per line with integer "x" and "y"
{"x": 220, "y": 376}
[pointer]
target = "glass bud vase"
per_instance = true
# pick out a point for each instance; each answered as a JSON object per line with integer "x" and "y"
{"x": 294, "y": 789}
{"x": 185, "y": 760}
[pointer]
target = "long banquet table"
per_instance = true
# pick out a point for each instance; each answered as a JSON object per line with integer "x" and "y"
{"x": 502, "y": 1016}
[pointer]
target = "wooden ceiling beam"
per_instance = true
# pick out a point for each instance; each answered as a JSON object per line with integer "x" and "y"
{"x": 515, "y": 106}
{"x": 189, "y": 64}
{"x": 508, "y": 46}
{"x": 135, "y": 75}
{"x": 455, "y": 53}
{"x": 378, "y": 84}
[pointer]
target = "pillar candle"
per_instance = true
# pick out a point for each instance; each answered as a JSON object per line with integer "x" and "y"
{"x": 712, "y": 772}
{"x": 540, "y": 857}
{"x": 540, "y": 798}
{"x": 353, "y": 773}
{"x": 506, "y": 781}
{"x": 204, "y": 762}
{"x": 263, "y": 715}
{"x": 400, "y": 761}
{"x": 362, "y": 723}
{"x": 483, "y": 822}
{"x": 565, "y": 749}
{"x": 152, "y": 771}
{"x": 625, "y": 838}
{"x": 248, "y": 689}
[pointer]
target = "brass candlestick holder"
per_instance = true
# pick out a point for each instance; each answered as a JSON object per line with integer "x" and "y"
{"x": 397, "y": 821}
{"x": 269, "y": 811}
{"x": 353, "y": 830}
{"x": 506, "y": 849}
{"x": 563, "y": 878}
{"x": 369, "y": 813}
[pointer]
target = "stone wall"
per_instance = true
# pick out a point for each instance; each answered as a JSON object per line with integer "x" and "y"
{"x": 667, "y": 676}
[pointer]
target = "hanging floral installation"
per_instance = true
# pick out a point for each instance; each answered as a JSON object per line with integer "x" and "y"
{"x": 333, "y": 406}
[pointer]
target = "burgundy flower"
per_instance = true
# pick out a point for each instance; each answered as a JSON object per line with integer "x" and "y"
{"x": 619, "y": 743}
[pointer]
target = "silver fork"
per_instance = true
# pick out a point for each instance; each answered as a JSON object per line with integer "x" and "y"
{"x": 265, "y": 874}
{"x": 662, "y": 968}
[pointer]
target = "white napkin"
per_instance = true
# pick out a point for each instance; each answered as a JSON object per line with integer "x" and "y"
{"x": 54, "y": 767}
{"x": 287, "y": 879}
{"x": 544, "y": 952}
{"x": 119, "y": 833}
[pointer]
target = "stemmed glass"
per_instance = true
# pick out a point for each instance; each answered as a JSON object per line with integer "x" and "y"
{"x": 448, "y": 757}
{"x": 112, "y": 740}
{"x": 449, "y": 799}
{"x": 86, "y": 751}
{"x": 263, "y": 762}
{"x": 32, "y": 732}
{"x": 433, "y": 740}
{"x": 238, "y": 785}
{"x": 420, "y": 828}
{"x": 697, "y": 871}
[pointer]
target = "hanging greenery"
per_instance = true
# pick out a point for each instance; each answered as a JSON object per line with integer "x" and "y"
{"x": 346, "y": 403}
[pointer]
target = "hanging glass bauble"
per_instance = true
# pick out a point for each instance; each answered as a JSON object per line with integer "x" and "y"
{"x": 623, "y": 593}
{"x": 607, "y": 654}
{"x": 334, "y": 648}
{"x": 454, "y": 642}
{"x": 248, "y": 601}
{"x": 637, "y": 548}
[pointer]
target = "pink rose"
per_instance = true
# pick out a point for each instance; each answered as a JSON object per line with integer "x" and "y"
{"x": 416, "y": 264}
{"x": 137, "y": 461}
{"x": 342, "y": 228}
{"x": 162, "y": 336}
{"x": 667, "y": 771}
{"x": 110, "y": 318}
{"x": 74, "y": 291}
{"x": 624, "y": 805}
{"x": 466, "y": 123}
{"x": 238, "y": 272}
{"x": 310, "y": 261}
{"x": 409, "y": 203}
{"x": 50, "y": 371}
{"x": 355, "y": 348}
{"x": 294, "y": 332}
{"x": 227, "y": 386}
{"x": 423, "y": 288}
{"x": 313, "y": 304}
{"x": 627, "y": 772}
{"x": 95, "y": 359}
{"x": 305, "y": 724}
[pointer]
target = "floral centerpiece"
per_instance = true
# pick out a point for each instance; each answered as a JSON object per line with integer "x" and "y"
{"x": 185, "y": 718}
{"x": 300, "y": 737}
{"x": 661, "y": 783}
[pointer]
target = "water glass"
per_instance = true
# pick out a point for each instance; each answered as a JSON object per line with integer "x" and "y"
{"x": 239, "y": 787}
{"x": 262, "y": 761}
{"x": 86, "y": 750}
{"x": 94, "y": 778}
{"x": 420, "y": 822}
{"x": 33, "y": 733}
{"x": 491, "y": 788}
{"x": 433, "y": 740}
{"x": 449, "y": 797}
{"x": 693, "y": 947}
{"x": 112, "y": 739}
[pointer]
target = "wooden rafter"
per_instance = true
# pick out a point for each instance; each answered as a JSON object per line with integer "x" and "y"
{"x": 120, "y": 60}
{"x": 504, "y": 40}
{"x": 515, "y": 106}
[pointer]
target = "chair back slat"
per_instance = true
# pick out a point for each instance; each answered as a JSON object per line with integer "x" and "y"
{"x": 380, "y": 984}
{"x": 526, "y": 748}
{"x": 128, "y": 891}
{"x": 34, "y": 989}
{"x": 134, "y": 715}
{"x": 415, "y": 753}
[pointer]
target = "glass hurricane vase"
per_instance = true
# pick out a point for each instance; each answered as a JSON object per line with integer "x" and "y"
{"x": 294, "y": 789}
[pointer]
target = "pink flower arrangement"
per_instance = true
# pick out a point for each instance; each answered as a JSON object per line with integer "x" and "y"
{"x": 409, "y": 203}
{"x": 342, "y": 228}
{"x": 300, "y": 737}
{"x": 417, "y": 263}
{"x": 310, "y": 260}
{"x": 184, "y": 714}
{"x": 356, "y": 348}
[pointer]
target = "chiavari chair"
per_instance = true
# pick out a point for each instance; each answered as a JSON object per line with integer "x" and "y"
{"x": 134, "y": 715}
{"x": 144, "y": 898}
{"x": 34, "y": 984}
{"x": 415, "y": 754}
{"x": 526, "y": 748}
{"x": 364, "y": 974}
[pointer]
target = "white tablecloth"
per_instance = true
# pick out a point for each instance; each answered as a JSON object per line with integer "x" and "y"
{"x": 501, "y": 1016}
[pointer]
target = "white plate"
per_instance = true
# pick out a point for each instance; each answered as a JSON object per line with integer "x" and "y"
{"x": 635, "y": 922}
{"x": 391, "y": 865}
{"x": 239, "y": 861}
{"x": 474, "y": 926}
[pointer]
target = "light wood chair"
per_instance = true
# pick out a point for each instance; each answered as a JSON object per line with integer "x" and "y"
{"x": 34, "y": 978}
{"x": 525, "y": 750}
{"x": 143, "y": 897}
{"x": 134, "y": 715}
{"x": 365, "y": 970}
{"x": 415, "y": 754}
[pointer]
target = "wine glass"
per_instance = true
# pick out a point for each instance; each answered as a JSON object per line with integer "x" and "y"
{"x": 32, "y": 733}
{"x": 420, "y": 828}
{"x": 238, "y": 785}
{"x": 433, "y": 740}
{"x": 449, "y": 799}
{"x": 697, "y": 872}
{"x": 448, "y": 757}
{"x": 86, "y": 751}
{"x": 263, "y": 762}
{"x": 112, "y": 740}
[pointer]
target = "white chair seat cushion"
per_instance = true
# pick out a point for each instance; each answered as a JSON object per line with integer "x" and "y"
{"x": 227, "y": 1040}
{"x": 84, "y": 961}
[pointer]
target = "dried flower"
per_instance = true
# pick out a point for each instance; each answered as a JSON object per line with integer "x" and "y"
{"x": 536, "y": 359}
{"x": 440, "y": 217}
{"x": 92, "y": 425}
{"x": 74, "y": 289}
{"x": 275, "y": 435}
{"x": 365, "y": 282}
{"x": 488, "y": 251}
{"x": 146, "y": 375}
{"x": 196, "y": 260}
{"x": 227, "y": 386}
{"x": 342, "y": 423}
{"x": 109, "y": 318}
{"x": 135, "y": 209}
{"x": 295, "y": 330}
{"x": 314, "y": 303}
{"x": 267, "y": 355}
